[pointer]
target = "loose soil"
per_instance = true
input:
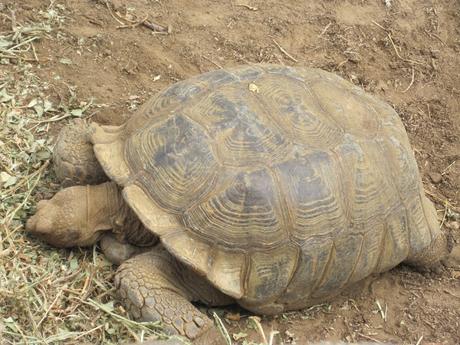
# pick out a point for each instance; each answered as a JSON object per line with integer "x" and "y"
{"x": 405, "y": 52}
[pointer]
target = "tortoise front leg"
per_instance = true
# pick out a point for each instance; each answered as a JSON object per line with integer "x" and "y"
{"x": 154, "y": 286}
{"x": 118, "y": 252}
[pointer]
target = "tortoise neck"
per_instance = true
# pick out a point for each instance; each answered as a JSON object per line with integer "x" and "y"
{"x": 124, "y": 223}
{"x": 103, "y": 202}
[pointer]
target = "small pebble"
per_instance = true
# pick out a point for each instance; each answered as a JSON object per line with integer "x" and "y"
{"x": 435, "y": 177}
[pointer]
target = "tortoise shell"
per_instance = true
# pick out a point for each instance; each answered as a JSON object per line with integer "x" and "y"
{"x": 280, "y": 185}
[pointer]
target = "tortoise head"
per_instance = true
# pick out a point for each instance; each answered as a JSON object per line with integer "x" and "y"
{"x": 75, "y": 216}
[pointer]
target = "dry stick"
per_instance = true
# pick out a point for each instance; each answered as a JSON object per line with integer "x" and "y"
{"x": 394, "y": 46}
{"x": 369, "y": 338}
{"x": 433, "y": 34}
{"x": 17, "y": 58}
{"x": 157, "y": 27}
{"x": 49, "y": 308}
{"x": 380, "y": 26}
{"x": 397, "y": 53}
{"x": 133, "y": 24}
{"x": 111, "y": 13}
{"x": 382, "y": 313}
{"x": 450, "y": 293}
{"x": 152, "y": 26}
{"x": 272, "y": 337}
{"x": 448, "y": 167}
{"x": 259, "y": 327}
{"x": 214, "y": 63}
{"x": 285, "y": 52}
{"x": 419, "y": 340}
{"x": 13, "y": 20}
{"x": 222, "y": 329}
{"x": 252, "y": 8}
{"x": 445, "y": 215}
{"x": 412, "y": 80}
{"x": 35, "y": 53}
{"x": 90, "y": 331}
{"x": 325, "y": 29}
{"x": 53, "y": 119}
{"x": 23, "y": 43}
{"x": 452, "y": 207}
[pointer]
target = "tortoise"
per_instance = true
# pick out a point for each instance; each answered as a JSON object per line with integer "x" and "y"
{"x": 268, "y": 186}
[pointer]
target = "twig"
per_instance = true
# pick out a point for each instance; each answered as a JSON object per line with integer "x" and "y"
{"x": 14, "y": 23}
{"x": 35, "y": 53}
{"x": 445, "y": 215}
{"x": 133, "y": 24}
{"x": 380, "y": 26}
{"x": 148, "y": 24}
{"x": 252, "y": 8}
{"x": 272, "y": 337}
{"x": 325, "y": 29}
{"x": 223, "y": 330}
{"x": 382, "y": 313}
{"x": 399, "y": 56}
{"x": 452, "y": 207}
{"x": 448, "y": 167}
{"x": 53, "y": 119}
{"x": 112, "y": 14}
{"x": 49, "y": 308}
{"x": 450, "y": 293}
{"x": 90, "y": 331}
{"x": 419, "y": 340}
{"x": 259, "y": 327}
{"x": 369, "y": 338}
{"x": 157, "y": 27}
{"x": 435, "y": 35}
{"x": 18, "y": 58}
{"x": 388, "y": 32}
{"x": 412, "y": 80}
{"x": 23, "y": 43}
{"x": 285, "y": 52}
{"x": 214, "y": 63}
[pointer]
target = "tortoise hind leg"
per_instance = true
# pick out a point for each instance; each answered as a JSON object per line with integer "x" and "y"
{"x": 431, "y": 255}
{"x": 74, "y": 160}
{"x": 155, "y": 287}
{"x": 432, "y": 252}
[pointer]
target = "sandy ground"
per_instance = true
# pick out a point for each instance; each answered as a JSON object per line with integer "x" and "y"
{"x": 405, "y": 52}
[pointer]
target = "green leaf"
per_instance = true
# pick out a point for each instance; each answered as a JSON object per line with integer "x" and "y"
{"x": 5, "y": 43}
{"x": 74, "y": 264}
{"x": 43, "y": 155}
{"x": 7, "y": 180}
{"x": 39, "y": 110}
{"x": 108, "y": 307}
{"x": 65, "y": 61}
{"x": 10, "y": 323}
{"x": 77, "y": 112}
{"x": 239, "y": 336}
{"x": 47, "y": 106}
{"x": 32, "y": 103}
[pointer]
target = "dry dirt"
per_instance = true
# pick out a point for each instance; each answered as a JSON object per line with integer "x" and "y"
{"x": 406, "y": 52}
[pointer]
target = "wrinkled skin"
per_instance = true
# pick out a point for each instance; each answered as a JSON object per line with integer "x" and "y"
{"x": 75, "y": 216}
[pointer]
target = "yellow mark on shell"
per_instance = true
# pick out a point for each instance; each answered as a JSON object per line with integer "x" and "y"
{"x": 253, "y": 88}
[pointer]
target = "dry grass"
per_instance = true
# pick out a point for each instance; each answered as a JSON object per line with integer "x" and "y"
{"x": 47, "y": 296}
